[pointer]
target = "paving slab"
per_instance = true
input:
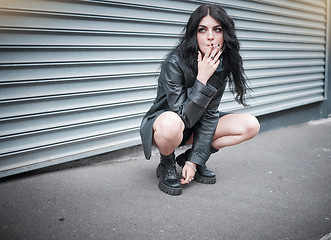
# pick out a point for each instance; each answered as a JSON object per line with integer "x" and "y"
{"x": 276, "y": 186}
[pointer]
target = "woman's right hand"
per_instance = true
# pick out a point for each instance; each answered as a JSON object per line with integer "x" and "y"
{"x": 188, "y": 173}
{"x": 208, "y": 64}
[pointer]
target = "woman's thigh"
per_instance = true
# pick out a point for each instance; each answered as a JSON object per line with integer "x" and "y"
{"x": 233, "y": 129}
{"x": 245, "y": 125}
{"x": 168, "y": 125}
{"x": 167, "y": 121}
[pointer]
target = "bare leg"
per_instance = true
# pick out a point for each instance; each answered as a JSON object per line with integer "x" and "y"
{"x": 168, "y": 132}
{"x": 233, "y": 129}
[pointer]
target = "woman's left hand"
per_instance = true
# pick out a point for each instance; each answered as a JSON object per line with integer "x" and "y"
{"x": 208, "y": 64}
{"x": 188, "y": 173}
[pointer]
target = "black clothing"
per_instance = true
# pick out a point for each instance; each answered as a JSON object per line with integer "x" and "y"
{"x": 166, "y": 172}
{"x": 196, "y": 104}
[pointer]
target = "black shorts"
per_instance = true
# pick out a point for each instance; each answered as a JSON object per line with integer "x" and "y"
{"x": 189, "y": 131}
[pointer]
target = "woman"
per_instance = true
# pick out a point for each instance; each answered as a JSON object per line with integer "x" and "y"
{"x": 190, "y": 87}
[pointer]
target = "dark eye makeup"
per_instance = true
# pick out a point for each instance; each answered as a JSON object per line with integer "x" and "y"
{"x": 216, "y": 29}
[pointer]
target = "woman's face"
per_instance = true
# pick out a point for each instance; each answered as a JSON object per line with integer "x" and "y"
{"x": 209, "y": 34}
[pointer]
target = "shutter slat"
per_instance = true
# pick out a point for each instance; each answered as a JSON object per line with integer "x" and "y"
{"x": 77, "y": 76}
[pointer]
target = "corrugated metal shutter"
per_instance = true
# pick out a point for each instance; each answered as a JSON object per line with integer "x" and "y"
{"x": 77, "y": 76}
{"x": 283, "y": 46}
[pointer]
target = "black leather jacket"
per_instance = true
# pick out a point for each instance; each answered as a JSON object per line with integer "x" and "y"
{"x": 196, "y": 104}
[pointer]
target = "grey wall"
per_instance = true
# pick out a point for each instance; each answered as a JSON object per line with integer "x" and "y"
{"x": 77, "y": 76}
{"x": 308, "y": 112}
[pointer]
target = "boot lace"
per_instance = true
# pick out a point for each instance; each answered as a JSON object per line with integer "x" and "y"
{"x": 171, "y": 171}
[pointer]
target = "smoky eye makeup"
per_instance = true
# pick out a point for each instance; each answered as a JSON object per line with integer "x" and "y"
{"x": 218, "y": 28}
{"x": 201, "y": 29}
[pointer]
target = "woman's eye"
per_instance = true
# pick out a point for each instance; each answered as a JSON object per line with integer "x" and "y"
{"x": 201, "y": 30}
{"x": 218, "y": 30}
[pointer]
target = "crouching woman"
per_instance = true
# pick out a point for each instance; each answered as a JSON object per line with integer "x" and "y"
{"x": 190, "y": 87}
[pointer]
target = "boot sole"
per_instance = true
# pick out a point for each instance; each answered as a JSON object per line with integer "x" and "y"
{"x": 205, "y": 180}
{"x": 166, "y": 189}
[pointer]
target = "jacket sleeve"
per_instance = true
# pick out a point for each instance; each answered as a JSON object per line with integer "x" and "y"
{"x": 205, "y": 129}
{"x": 189, "y": 103}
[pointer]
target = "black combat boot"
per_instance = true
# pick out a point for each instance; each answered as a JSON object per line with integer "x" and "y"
{"x": 202, "y": 175}
{"x": 169, "y": 182}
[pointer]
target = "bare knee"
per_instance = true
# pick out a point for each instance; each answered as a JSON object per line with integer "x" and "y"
{"x": 169, "y": 126}
{"x": 252, "y": 126}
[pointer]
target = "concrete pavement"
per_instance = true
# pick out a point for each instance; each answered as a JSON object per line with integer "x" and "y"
{"x": 276, "y": 186}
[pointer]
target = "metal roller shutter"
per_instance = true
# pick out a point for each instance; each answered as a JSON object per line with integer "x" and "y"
{"x": 284, "y": 51}
{"x": 77, "y": 76}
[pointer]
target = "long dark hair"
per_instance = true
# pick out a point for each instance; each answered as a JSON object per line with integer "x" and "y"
{"x": 232, "y": 61}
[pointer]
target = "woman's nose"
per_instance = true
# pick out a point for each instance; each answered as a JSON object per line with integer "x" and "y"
{"x": 210, "y": 35}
